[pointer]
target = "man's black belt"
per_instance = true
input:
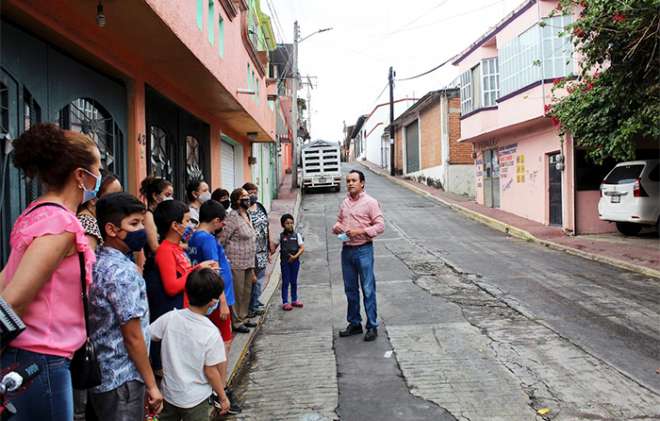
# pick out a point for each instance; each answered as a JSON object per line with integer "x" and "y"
{"x": 361, "y": 245}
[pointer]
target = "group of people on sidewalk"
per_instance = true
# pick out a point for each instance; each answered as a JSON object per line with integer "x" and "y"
{"x": 152, "y": 289}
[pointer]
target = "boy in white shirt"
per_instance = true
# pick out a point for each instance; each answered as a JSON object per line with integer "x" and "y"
{"x": 191, "y": 351}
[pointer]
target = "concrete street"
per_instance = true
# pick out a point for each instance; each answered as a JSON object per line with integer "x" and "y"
{"x": 476, "y": 325}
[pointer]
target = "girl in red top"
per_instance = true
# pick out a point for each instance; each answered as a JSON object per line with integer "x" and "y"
{"x": 172, "y": 219}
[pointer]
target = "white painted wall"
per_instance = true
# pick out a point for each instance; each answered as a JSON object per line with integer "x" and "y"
{"x": 458, "y": 179}
{"x": 373, "y": 140}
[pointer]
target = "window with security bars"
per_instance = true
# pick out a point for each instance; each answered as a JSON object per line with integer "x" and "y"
{"x": 193, "y": 167}
{"x": 87, "y": 116}
{"x": 160, "y": 153}
{"x": 490, "y": 85}
{"x": 542, "y": 52}
{"x": 557, "y": 47}
{"x": 466, "y": 92}
{"x": 519, "y": 61}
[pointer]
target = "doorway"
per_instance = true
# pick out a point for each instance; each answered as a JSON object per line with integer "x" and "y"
{"x": 491, "y": 178}
{"x": 178, "y": 144}
{"x": 554, "y": 189}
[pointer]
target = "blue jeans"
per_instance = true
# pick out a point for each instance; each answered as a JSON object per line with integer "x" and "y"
{"x": 49, "y": 397}
{"x": 289, "y": 279}
{"x": 256, "y": 289}
{"x": 358, "y": 263}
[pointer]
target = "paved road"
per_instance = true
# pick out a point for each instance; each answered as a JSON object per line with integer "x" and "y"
{"x": 476, "y": 326}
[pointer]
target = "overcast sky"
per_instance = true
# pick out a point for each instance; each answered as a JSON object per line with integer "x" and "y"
{"x": 352, "y": 61}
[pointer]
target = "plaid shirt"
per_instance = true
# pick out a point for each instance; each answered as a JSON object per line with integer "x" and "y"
{"x": 239, "y": 240}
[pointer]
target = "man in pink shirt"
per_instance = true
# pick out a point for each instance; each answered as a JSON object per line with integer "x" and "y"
{"x": 359, "y": 221}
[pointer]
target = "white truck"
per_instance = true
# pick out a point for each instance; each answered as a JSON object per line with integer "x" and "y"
{"x": 321, "y": 165}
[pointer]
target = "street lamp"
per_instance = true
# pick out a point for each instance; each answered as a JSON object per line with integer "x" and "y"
{"x": 294, "y": 109}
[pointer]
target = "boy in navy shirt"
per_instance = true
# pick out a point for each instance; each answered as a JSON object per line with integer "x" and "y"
{"x": 291, "y": 248}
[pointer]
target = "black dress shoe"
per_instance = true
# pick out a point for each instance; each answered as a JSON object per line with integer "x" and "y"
{"x": 351, "y": 330}
{"x": 371, "y": 334}
{"x": 241, "y": 329}
{"x": 249, "y": 324}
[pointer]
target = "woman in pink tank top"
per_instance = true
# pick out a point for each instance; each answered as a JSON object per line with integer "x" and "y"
{"x": 41, "y": 280}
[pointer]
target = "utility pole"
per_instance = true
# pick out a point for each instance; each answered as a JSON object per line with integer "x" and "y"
{"x": 294, "y": 107}
{"x": 391, "y": 81}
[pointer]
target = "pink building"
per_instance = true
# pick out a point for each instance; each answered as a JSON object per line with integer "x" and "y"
{"x": 173, "y": 88}
{"x": 522, "y": 164}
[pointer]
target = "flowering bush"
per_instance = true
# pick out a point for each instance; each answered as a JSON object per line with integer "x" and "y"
{"x": 615, "y": 101}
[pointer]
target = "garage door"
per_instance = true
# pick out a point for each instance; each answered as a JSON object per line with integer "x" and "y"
{"x": 227, "y": 166}
{"x": 412, "y": 147}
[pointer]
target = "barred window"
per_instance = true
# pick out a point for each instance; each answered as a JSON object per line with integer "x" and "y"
{"x": 466, "y": 92}
{"x": 490, "y": 86}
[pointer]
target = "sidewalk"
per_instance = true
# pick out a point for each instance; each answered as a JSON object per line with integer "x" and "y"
{"x": 635, "y": 254}
{"x": 288, "y": 201}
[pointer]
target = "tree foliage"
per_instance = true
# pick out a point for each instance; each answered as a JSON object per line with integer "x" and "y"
{"x": 615, "y": 99}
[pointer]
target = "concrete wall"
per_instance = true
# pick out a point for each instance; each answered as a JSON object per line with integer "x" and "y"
{"x": 460, "y": 180}
{"x": 588, "y": 221}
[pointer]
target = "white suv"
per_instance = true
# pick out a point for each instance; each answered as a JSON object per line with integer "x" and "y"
{"x": 630, "y": 196}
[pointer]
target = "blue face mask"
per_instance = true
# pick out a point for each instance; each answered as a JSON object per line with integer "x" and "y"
{"x": 135, "y": 240}
{"x": 91, "y": 194}
{"x": 212, "y": 308}
{"x": 187, "y": 233}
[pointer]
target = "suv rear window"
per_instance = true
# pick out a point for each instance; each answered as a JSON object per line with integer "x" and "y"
{"x": 624, "y": 174}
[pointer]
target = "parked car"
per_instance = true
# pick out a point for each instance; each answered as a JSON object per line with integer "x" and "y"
{"x": 630, "y": 196}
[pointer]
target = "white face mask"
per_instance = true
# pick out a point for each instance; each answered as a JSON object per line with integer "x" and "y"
{"x": 204, "y": 197}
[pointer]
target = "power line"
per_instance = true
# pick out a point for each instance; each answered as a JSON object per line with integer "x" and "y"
{"x": 423, "y": 15}
{"x": 447, "y": 18}
{"x": 428, "y": 71}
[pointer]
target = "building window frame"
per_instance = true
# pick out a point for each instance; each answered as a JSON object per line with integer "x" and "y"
{"x": 221, "y": 36}
{"x": 200, "y": 15}
{"x": 211, "y": 22}
{"x": 490, "y": 88}
{"x": 466, "y": 92}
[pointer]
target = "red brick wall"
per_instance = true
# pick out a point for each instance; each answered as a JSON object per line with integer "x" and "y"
{"x": 459, "y": 153}
{"x": 430, "y": 136}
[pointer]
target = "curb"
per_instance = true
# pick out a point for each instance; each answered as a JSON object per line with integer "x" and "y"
{"x": 518, "y": 232}
{"x": 273, "y": 283}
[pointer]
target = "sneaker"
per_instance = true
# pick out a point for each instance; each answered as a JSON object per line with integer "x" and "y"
{"x": 297, "y": 304}
{"x": 287, "y": 307}
{"x": 250, "y": 324}
{"x": 371, "y": 334}
{"x": 234, "y": 409}
{"x": 351, "y": 330}
{"x": 260, "y": 304}
{"x": 241, "y": 329}
{"x": 256, "y": 313}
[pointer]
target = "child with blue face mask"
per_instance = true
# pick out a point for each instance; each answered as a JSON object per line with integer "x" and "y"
{"x": 192, "y": 350}
{"x": 119, "y": 314}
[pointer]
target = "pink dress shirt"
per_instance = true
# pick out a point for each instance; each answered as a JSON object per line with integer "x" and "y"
{"x": 54, "y": 320}
{"x": 363, "y": 212}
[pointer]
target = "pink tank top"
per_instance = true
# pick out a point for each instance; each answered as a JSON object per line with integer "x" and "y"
{"x": 54, "y": 320}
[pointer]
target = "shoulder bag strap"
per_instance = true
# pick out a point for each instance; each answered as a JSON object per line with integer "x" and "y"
{"x": 83, "y": 289}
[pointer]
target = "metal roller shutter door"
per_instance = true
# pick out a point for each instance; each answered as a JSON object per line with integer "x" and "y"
{"x": 228, "y": 170}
